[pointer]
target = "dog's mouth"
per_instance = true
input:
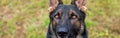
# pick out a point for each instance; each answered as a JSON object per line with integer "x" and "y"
{"x": 66, "y": 36}
{"x": 62, "y": 35}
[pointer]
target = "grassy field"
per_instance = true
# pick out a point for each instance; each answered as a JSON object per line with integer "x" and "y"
{"x": 29, "y": 18}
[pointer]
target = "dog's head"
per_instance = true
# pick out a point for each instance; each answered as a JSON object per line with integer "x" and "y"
{"x": 67, "y": 21}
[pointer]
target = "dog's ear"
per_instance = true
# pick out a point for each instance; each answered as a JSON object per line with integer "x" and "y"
{"x": 80, "y": 4}
{"x": 53, "y": 4}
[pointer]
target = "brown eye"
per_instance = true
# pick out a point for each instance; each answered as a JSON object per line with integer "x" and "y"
{"x": 56, "y": 16}
{"x": 74, "y": 17}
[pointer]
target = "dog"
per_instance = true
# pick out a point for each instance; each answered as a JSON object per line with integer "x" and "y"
{"x": 67, "y": 21}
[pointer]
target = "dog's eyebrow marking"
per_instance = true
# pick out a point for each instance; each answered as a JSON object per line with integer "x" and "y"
{"x": 72, "y": 11}
{"x": 59, "y": 11}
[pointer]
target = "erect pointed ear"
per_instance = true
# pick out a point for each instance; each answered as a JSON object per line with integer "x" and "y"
{"x": 80, "y": 4}
{"x": 53, "y": 4}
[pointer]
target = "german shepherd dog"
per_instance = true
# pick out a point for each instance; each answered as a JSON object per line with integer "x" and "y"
{"x": 67, "y": 21}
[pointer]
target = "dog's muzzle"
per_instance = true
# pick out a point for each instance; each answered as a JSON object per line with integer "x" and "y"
{"x": 62, "y": 32}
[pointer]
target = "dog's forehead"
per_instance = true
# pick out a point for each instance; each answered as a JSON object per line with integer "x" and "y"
{"x": 67, "y": 8}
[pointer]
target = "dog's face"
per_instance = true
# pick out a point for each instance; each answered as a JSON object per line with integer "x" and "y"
{"x": 67, "y": 21}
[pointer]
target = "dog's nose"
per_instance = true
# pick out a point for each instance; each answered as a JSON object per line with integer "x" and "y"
{"x": 62, "y": 31}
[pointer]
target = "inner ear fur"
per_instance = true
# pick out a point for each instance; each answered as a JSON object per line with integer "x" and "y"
{"x": 53, "y": 4}
{"x": 80, "y": 4}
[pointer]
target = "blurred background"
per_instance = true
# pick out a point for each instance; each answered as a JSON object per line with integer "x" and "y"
{"x": 29, "y": 18}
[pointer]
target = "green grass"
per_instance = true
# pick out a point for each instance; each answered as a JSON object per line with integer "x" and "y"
{"x": 30, "y": 18}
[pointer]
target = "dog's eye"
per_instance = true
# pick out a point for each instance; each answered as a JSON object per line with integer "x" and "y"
{"x": 74, "y": 17}
{"x": 56, "y": 16}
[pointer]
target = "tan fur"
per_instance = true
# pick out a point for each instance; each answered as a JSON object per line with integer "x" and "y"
{"x": 52, "y": 5}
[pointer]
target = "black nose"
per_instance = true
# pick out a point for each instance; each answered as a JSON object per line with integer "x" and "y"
{"x": 62, "y": 32}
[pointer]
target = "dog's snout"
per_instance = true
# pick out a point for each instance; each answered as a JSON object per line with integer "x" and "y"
{"x": 62, "y": 31}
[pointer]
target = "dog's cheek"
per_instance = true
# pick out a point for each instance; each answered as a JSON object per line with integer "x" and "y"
{"x": 77, "y": 24}
{"x": 54, "y": 24}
